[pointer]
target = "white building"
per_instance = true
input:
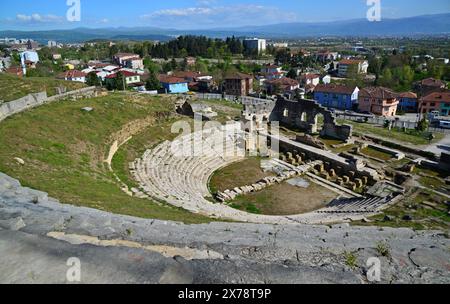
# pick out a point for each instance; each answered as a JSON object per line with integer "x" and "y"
{"x": 280, "y": 45}
{"x": 52, "y": 44}
{"x": 73, "y": 75}
{"x": 256, "y": 44}
{"x": 359, "y": 66}
{"x": 326, "y": 79}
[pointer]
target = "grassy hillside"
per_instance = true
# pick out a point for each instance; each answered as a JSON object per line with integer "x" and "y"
{"x": 64, "y": 148}
{"x": 13, "y": 87}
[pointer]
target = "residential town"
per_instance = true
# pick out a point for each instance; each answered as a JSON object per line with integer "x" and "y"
{"x": 335, "y": 79}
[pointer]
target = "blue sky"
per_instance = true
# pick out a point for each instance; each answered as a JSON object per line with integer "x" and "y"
{"x": 200, "y": 14}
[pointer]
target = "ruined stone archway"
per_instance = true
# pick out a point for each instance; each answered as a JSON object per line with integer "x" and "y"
{"x": 310, "y": 116}
{"x": 302, "y": 114}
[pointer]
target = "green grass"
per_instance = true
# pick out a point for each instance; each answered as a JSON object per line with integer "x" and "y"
{"x": 64, "y": 148}
{"x": 13, "y": 87}
{"x": 232, "y": 176}
{"x": 376, "y": 154}
{"x": 409, "y": 137}
{"x": 148, "y": 138}
{"x": 427, "y": 209}
{"x": 330, "y": 142}
{"x": 350, "y": 259}
{"x": 431, "y": 178}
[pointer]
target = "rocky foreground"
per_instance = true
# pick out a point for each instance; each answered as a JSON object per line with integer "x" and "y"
{"x": 38, "y": 235}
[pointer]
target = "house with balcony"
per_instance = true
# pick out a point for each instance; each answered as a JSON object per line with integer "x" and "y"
{"x": 379, "y": 101}
{"x": 438, "y": 101}
{"x": 337, "y": 96}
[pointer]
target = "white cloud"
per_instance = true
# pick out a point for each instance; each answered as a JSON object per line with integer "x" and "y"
{"x": 38, "y": 18}
{"x": 218, "y": 16}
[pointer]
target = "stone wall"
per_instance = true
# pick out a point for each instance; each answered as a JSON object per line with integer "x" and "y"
{"x": 304, "y": 114}
{"x": 37, "y": 99}
{"x": 340, "y": 165}
{"x": 22, "y": 104}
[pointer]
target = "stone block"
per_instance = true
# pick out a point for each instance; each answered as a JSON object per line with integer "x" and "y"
{"x": 351, "y": 186}
{"x": 359, "y": 183}
{"x": 332, "y": 173}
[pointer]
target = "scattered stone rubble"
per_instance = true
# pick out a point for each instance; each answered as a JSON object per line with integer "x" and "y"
{"x": 229, "y": 195}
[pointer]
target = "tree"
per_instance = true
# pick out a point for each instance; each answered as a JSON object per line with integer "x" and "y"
{"x": 152, "y": 82}
{"x": 201, "y": 67}
{"x": 92, "y": 79}
{"x": 292, "y": 74}
{"x": 111, "y": 84}
{"x": 173, "y": 64}
{"x": 120, "y": 81}
{"x": 423, "y": 125}
{"x": 113, "y": 50}
{"x": 387, "y": 76}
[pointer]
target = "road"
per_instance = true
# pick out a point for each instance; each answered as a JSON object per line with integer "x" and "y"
{"x": 441, "y": 146}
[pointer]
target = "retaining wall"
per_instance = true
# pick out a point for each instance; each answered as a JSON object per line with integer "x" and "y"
{"x": 37, "y": 99}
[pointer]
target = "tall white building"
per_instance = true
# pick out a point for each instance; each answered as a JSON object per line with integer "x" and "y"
{"x": 256, "y": 44}
{"x": 52, "y": 43}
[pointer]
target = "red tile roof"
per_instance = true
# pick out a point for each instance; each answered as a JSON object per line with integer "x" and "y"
{"x": 335, "y": 88}
{"x": 120, "y": 55}
{"x": 271, "y": 66}
{"x": 351, "y": 61}
{"x": 443, "y": 96}
{"x": 171, "y": 79}
{"x": 72, "y": 74}
{"x": 431, "y": 82}
{"x": 309, "y": 76}
{"x": 285, "y": 81}
{"x": 378, "y": 93}
{"x": 124, "y": 73}
{"x": 408, "y": 95}
{"x": 186, "y": 74}
{"x": 238, "y": 75}
{"x": 14, "y": 70}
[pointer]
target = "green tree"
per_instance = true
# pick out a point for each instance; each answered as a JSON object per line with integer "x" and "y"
{"x": 92, "y": 79}
{"x": 423, "y": 125}
{"x": 387, "y": 76}
{"x": 152, "y": 82}
{"x": 291, "y": 74}
{"x": 120, "y": 81}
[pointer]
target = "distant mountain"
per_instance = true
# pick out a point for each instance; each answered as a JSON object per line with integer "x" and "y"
{"x": 419, "y": 25}
{"x": 84, "y": 34}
